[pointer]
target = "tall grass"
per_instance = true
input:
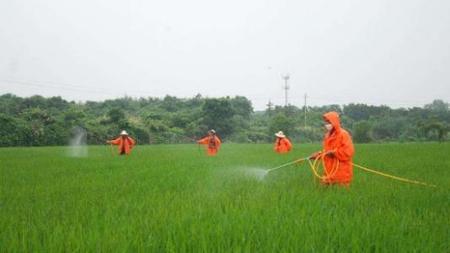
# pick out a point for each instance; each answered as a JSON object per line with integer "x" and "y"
{"x": 172, "y": 198}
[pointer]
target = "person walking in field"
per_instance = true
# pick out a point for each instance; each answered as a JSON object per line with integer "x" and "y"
{"x": 124, "y": 142}
{"x": 212, "y": 141}
{"x": 337, "y": 152}
{"x": 282, "y": 143}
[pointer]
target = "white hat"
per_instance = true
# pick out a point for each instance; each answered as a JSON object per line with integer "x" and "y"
{"x": 280, "y": 134}
{"x": 123, "y": 132}
{"x": 212, "y": 131}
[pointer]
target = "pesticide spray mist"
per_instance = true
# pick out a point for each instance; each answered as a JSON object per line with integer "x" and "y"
{"x": 77, "y": 144}
{"x": 257, "y": 173}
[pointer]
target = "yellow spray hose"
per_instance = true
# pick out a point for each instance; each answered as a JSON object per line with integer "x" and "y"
{"x": 393, "y": 177}
{"x": 327, "y": 173}
{"x": 330, "y": 173}
{"x": 314, "y": 166}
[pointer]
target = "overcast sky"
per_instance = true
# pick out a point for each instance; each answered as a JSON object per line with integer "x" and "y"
{"x": 393, "y": 52}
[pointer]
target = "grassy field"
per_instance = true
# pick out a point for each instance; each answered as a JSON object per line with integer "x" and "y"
{"x": 172, "y": 198}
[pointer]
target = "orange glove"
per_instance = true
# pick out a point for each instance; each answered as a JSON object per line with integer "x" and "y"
{"x": 330, "y": 153}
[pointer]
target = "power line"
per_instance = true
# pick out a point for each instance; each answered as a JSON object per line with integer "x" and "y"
{"x": 55, "y": 86}
{"x": 70, "y": 87}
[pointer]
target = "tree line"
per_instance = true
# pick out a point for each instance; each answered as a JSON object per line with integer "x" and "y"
{"x": 39, "y": 121}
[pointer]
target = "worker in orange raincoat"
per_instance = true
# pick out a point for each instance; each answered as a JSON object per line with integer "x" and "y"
{"x": 282, "y": 143}
{"x": 338, "y": 151}
{"x": 124, "y": 142}
{"x": 212, "y": 141}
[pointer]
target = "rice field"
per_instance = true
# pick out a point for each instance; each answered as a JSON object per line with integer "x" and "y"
{"x": 173, "y": 198}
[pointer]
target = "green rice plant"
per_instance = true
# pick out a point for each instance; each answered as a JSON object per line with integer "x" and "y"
{"x": 173, "y": 198}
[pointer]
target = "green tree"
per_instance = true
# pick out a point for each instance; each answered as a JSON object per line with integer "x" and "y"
{"x": 364, "y": 112}
{"x": 10, "y": 131}
{"x": 117, "y": 117}
{"x": 280, "y": 122}
{"x": 242, "y": 107}
{"x": 361, "y": 132}
{"x": 436, "y": 131}
{"x": 217, "y": 114}
{"x": 388, "y": 128}
{"x": 437, "y": 106}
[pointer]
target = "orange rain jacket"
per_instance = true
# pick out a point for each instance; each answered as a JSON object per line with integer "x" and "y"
{"x": 282, "y": 145}
{"x": 124, "y": 144}
{"x": 213, "y": 143}
{"x": 339, "y": 141}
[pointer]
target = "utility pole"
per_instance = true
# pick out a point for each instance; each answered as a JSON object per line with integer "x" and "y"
{"x": 286, "y": 88}
{"x": 269, "y": 108}
{"x": 306, "y": 96}
{"x": 269, "y": 105}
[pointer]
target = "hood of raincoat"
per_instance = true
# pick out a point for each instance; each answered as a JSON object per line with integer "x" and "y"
{"x": 333, "y": 118}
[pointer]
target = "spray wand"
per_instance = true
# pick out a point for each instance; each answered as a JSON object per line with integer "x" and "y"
{"x": 286, "y": 164}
